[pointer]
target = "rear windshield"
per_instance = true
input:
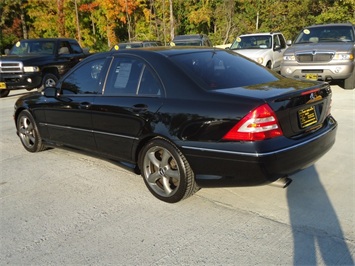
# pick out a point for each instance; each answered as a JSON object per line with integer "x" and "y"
{"x": 218, "y": 69}
{"x": 326, "y": 34}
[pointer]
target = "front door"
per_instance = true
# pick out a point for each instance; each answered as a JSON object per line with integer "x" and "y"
{"x": 69, "y": 118}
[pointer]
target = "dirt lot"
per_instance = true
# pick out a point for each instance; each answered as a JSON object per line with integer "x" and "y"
{"x": 60, "y": 208}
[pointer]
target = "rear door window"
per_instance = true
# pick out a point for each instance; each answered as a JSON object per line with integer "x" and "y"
{"x": 131, "y": 76}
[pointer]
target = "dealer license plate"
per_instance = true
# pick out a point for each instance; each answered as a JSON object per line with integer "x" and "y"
{"x": 2, "y": 85}
{"x": 307, "y": 117}
{"x": 312, "y": 76}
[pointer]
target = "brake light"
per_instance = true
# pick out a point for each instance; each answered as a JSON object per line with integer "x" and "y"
{"x": 261, "y": 123}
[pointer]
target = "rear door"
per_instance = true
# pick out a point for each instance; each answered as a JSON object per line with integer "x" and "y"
{"x": 125, "y": 112}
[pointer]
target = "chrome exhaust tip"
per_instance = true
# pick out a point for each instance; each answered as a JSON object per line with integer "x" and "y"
{"x": 282, "y": 182}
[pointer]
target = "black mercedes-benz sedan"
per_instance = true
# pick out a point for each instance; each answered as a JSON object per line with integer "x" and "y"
{"x": 183, "y": 118}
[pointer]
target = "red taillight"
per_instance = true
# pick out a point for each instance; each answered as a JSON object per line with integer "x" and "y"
{"x": 261, "y": 123}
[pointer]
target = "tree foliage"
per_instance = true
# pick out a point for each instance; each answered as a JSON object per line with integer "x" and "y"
{"x": 99, "y": 24}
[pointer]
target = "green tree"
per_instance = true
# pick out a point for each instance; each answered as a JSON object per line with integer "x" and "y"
{"x": 12, "y": 23}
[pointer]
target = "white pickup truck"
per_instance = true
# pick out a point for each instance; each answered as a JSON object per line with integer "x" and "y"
{"x": 265, "y": 48}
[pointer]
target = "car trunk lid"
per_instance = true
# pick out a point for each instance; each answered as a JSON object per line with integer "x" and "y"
{"x": 300, "y": 107}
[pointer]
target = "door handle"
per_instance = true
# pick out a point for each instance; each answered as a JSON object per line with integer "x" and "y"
{"x": 140, "y": 107}
{"x": 84, "y": 105}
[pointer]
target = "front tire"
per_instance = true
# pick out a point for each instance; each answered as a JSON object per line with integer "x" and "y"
{"x": 49, "y": 80}
{"x": 166, "y": 172}
{"x": 28, "y": 132}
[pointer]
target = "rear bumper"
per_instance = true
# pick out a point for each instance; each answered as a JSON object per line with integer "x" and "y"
{"x": 223, "y": 167}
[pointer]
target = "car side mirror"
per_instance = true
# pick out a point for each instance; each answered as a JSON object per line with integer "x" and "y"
{"x": 289, "y": 42}
{"x": 50, "y": 92}
{"x": 277, "y": 47}
{"x": 7, "y": 51}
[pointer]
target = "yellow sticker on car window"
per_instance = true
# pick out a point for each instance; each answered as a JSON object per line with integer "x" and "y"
{"x": 306, "y": 31}
{"x": 18, "y": 44}
{"x": 239, "y": 39}
{"x": 117, "y": 47}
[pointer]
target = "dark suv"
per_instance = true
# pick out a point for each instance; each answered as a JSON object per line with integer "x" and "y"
{"x": 191, "y": 40}
{"x": 323, "y": 52}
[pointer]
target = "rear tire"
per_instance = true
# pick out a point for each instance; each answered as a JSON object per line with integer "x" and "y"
{"x": 4, "y": 93}
{"x": 166, "y": 172}
{"x": 28, "y": 132}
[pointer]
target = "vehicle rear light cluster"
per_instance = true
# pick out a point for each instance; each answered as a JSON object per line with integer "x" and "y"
{"x": 261, "y": 123}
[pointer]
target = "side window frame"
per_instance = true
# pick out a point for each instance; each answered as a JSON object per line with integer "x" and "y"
{"x": 282, "y": 41}
{"x": 276, "y": 42}
{"x": 110, "y": 88}
{"x": 146, "y": 89}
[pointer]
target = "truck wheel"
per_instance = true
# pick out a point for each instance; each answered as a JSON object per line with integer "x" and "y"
{"x": 4, "y": 93}
{"x": 49, "y": 80}
{"x": 349, "y": 83}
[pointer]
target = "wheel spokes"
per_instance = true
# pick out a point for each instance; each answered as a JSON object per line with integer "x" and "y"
{"x": 153, "y": 177}
{"x": 165, "y": 158}
{"x": 161, "y": 172}
{"x": 154, "y": 160}
{"x": 173, "y": 174}
{"x": 26, "y": 131}
{"x": 167, "y": 185}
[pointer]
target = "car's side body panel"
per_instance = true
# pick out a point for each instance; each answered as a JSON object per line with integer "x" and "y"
{"x": 186, "y": 112}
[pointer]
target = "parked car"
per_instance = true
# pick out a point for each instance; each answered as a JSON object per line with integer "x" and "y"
{"x": 183, "y": 118}
{"x": 191, "y": 40}
{"x": 137, "y": 44}
{"x": 265, "y": 48}
{"x": 37, "y": 63}
{"x": 323, "y": 52}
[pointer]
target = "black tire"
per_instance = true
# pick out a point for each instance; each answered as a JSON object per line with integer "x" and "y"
{"x": 49, "y": 80}
{"x": 4, "y": 93}
{"x": 349, "y": 83}
{"x": 28, "y": 132}
{"x": 166, "y": 172}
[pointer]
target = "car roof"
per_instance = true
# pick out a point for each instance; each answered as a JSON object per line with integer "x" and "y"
{"x": 134, "y": 44}
{"x": 49, "y": 39}
{"x": 189, "y": 37}
{"x": 260, "y": 34}
{"x": 331, "y": 24}
{"x": 162, "y": 50}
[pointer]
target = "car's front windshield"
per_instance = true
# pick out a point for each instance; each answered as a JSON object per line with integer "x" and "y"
{"x": 252, "y": 42}
{"x": 326, "y": 34}
{"x": 33, "y": 47}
